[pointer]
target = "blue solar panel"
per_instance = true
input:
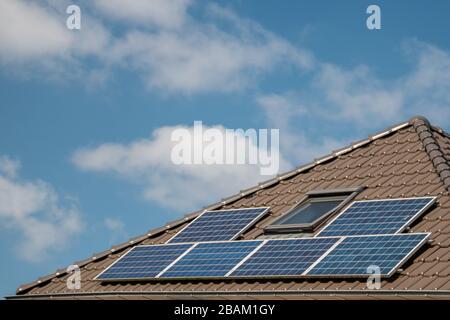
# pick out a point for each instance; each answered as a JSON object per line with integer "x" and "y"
{"x": 376, "y": 217}
{"x": 287, "y": 257}
{"x": 354, "y": 255}
{"x": 211, "y": 259}
{"x": 144, "y": 262}
{"x": 219, "y": 225}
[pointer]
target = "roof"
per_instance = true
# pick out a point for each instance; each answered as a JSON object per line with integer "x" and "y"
{"x": 411, "y": 159}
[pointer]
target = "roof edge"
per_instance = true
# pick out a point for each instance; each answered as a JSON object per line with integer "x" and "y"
{"x": 356, "y": 293}
{"x": 425, "y": 132}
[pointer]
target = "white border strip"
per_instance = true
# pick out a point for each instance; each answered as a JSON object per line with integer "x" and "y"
{"x": 323, "y": 256}
{"x": 176, "y": 260}
{"x": 246, "y": 258}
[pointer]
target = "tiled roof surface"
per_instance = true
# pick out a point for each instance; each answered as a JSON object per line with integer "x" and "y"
{"x": 409, "y": 160}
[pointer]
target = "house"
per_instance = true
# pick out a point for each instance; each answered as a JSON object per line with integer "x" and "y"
{"x": 407, "y": 161}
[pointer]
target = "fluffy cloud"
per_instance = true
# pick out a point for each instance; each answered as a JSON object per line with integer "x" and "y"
{"x": 22, "y": 26}
{"x": 184, "y": 187}
{"x": 359, "y": 95}
{"x": 285, "y": 111}
{"x": 32, "y": 208}
{"x": 202, "y": 57}
{"x": 357, "y": 98}
{"x": 34, "y": 40}
{"x": 169, "y": 14}
{"x": 206, "y": 60}
{"x": 116, "y": 228}
{"x": 172, "y": 50}
{"x": 8, "y": 166}
{"x": 427, "y": 86}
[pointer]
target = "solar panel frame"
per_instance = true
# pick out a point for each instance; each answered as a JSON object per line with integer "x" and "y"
{"x": 430, "y": 203}
{"x": 189, "y": 246}
{"x": 165, "y": 275}
{"x": 264, "y": 211}
{"x": 365, "y": 275}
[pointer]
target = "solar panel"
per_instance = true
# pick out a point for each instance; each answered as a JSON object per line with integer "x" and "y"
{"x": 211, "y": 259}
{"x": 354, "y": 255}
{"x": 219, "y": 225}
{"x": 376, "y": 217}
{"x": 144, "y": 262}
{"x": 285, "y": 257}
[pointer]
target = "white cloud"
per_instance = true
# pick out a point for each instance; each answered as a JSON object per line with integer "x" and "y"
{"x": 357, "y": 98}
{"x": 35, "y": 42}
{"x": 160, "y": 13}
{"x": 357, "y": 95}
{"x": 183, "y": 187}
{"x": 179, "y": 53}
{"x": 30, "y": 31}
{"x": 8, "y": 166}
{"x": 427, "y": 87}
{"x": 116, "y": 228}
{"x": 201, "y": 57}
{"x": 32, "y": 208}
{"x": 200, "y": 62}
{"x": 114, "y": 225}
{"x": 284, "y": 111}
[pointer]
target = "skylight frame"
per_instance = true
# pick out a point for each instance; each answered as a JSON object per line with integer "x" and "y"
{"x": 346, "y": 194}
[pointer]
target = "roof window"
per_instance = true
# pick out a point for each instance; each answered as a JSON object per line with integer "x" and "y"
{"x": 313, "y": 210}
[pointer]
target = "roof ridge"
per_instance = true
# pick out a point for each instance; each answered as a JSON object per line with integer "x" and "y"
{"x": 424, "y": 130}
{"x": 243, "y": 193}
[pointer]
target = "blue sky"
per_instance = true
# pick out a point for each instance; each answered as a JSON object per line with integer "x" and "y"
{"x": 85, "y": 114}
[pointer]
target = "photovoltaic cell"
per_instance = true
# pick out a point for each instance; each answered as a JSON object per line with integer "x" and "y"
{"x": 354, "y": 255}
{"x": 288, "y": 257}
{"x": 219, "y": 225}
{"x": 376, "y": 217}
{"x": 211, "y": 259}
{"x": 144, "y": 262}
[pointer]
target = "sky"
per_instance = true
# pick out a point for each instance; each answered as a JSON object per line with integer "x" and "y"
{"x": 86, "y": 115}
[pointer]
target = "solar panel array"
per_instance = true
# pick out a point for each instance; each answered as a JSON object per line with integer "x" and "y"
{"x": 338, "y": 250}
{"x": 219, "y": 225}
{"x": 211, "y": 259}
{"x": 144, "y": 262}
{"x": 285, "y": 257}
{"x": 332, "y": 256}
{"x": 376, "y": 217}
{"x": 354, "y": 255}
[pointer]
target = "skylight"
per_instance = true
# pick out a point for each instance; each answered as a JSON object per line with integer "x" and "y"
{"x": 312, "y": 210}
